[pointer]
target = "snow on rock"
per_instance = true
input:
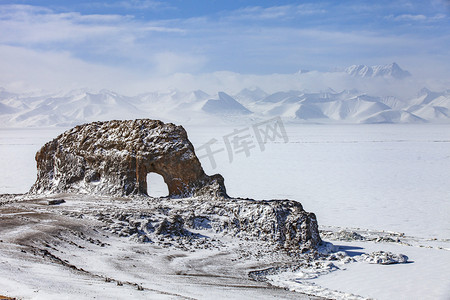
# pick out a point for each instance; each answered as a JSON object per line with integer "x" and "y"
{"x": 384, "y": 258}
{"x": 114, "y": 158}
{"x": 277, "y": 228}
{"x": 344, "y": 235}
{"x": 277, "y": 224}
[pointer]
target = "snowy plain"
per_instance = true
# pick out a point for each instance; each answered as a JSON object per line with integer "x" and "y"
{"x": 387, "y": 177}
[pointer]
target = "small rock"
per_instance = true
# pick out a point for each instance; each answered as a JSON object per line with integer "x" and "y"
{"x": 384, "y": 258}
{"x": 349, "y": 236}
{"x": 56, "y": 202}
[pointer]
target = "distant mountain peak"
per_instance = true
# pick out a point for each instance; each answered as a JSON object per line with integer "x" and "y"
{"x": 225, "y": 105}
{"x": 391, "y": 70}
{"x": 250, "y": 94}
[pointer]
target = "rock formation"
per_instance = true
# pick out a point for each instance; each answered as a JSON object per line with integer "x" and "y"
{"x": 114, "y": 158}
{"x": 276, "y": 224}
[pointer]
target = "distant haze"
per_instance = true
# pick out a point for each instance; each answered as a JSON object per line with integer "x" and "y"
{"x": 138, "y": 46}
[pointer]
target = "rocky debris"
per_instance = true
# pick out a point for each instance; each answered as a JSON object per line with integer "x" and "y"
{"x": 114, "y": 158}
{"x": 311, "y": 266}
{"x": 174, "y": 225}
{"x": 279, "y": 224}
{"x": 9, "y": 198}
{"x": 384, "y": 258}
{"x": 363, "y": 235}
{"x": 307, "y": 268}
{"x": 387, "y": 239}
{"x": 343, "y": 235}
{"x": 314, "y": 265}
{"x": 340, "y": 256}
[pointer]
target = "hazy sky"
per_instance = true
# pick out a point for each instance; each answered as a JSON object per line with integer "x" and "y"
{"x": 135, "y": 45}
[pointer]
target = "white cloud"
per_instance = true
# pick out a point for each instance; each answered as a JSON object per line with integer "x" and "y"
{"x": 42, "y": 48}
{"x": 142, "y": 4}
{"x": 438, "y": 17}
{"x": 259, "y": 13}
{"x": 33, "y": 25}
{"x": 408, "y": 17}
{"x": 58, "y": 71}
{"x": 9, "y": 10}
{"x": 33, "y": 70}
{"x": 417, "y": 18}
{"x": 30, "y": 70}
{"x": 310, "y": 9}
{"x": 150, "y": 28}
{"x": 135, "y": 5}
{"x": 275, "y": 12}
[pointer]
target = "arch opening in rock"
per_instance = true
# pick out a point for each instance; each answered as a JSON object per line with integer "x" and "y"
{"x": 156, "y": 187}
{"x": 114, "y": 158}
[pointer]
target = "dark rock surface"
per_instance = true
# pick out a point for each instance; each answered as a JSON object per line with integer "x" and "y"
{"x": 114, "y": 158}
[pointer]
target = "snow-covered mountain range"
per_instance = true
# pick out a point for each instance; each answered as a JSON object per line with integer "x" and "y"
{"x": 348, "y": 106}
{"x": 392, "y": 70}
{"x": 199, "y": 107}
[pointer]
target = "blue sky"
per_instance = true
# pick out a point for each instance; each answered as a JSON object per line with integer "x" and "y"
{"x": 91, "y": 42}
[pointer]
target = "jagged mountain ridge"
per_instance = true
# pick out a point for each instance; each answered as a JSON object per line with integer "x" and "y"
{"x": 348, "y": 106}
{"x": 392, "y": 70}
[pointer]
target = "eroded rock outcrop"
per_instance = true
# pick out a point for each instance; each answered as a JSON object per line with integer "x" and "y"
{"x": 114, "y": 158}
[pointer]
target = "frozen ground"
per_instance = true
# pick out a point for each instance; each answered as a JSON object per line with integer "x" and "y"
{"x": 114, "y": 248}
{"x": 361, "y": 178}
{"x": 107, "y": 248}
{"x": 391, "y": 177}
